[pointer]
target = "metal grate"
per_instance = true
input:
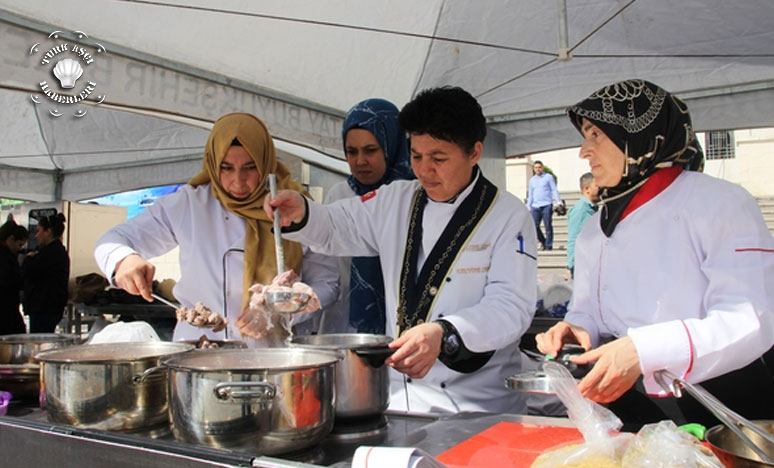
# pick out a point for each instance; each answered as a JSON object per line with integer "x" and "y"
{"x": 719, "y": 145}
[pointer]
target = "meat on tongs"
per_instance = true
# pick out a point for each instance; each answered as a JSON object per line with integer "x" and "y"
{"x": 201, "y": 316}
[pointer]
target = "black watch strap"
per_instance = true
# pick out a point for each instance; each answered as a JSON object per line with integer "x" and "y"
{"x": 459, "y": 358}
{"x": 450, "y": 342}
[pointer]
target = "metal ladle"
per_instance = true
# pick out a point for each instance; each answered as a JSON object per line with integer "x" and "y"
{"x": 282, "y": 302}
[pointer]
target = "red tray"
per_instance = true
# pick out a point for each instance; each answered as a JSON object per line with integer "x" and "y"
{"x": 507, "y": 445}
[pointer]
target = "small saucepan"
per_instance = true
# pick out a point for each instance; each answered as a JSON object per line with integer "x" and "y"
{"x": 735, "y": 453}
{"x": 362, "y": 379}
{"x": 536, "y": 381}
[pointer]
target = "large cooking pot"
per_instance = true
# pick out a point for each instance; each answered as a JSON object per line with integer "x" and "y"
{"x": 362, "y": 379}
{"x": 19, "y": 371}
{"x": 116, "y": 386}
{"x": 272, "y": 401}
{"x": 21, "y": 348}
{"x": 733, "y": 453}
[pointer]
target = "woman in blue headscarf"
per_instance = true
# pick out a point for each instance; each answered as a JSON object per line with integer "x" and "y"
{"x": 377, "y": 152}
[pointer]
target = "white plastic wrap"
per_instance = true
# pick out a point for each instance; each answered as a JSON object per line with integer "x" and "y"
{"x": 123, "y": 332}
{"x": 603, "y": 447}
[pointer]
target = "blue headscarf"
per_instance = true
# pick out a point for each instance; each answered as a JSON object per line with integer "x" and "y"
{"x": 380, "y": 117}
{"x": 366, "y": 286}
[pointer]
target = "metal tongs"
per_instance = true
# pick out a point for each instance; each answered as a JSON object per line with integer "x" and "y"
{"x": 282, "y": 302}
{"x": 732, "y": 420}
{"x": 164, "y": 301}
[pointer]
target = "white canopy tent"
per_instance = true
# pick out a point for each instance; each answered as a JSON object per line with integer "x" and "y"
{"x": 172, "y": 67}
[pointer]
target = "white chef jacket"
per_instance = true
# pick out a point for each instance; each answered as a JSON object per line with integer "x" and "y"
{"x": 689, "y": 276}
{"x": 212, "y": 241}
{"x": 335, "y": 318}
{"x": 489, "y": 294}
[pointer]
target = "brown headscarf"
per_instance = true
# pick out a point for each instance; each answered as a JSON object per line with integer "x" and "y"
{"x": 260, "y": 259}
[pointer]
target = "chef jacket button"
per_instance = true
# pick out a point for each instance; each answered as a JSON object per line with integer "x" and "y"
{"x": 408, "y": 380}
{"x": 443, "y": 384}
{"x": 448, "y": 279}
{"x": 604, "y": 287}
{"x": 433, "y": 291}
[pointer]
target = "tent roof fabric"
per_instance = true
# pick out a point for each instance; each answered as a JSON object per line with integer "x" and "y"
{"x": 177, "y": 65}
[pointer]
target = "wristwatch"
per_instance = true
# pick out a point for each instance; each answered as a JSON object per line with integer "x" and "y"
{"x": 450, "y": 342}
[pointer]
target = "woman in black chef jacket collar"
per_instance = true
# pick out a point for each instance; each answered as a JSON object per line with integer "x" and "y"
{"x": 674, "y": 271}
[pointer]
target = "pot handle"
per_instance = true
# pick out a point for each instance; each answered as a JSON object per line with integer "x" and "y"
{"x": 375, "y": 356}
{"x": 245, "y": 391}
{"x": 138, "y": 379}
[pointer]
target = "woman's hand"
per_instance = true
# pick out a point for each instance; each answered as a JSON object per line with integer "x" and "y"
{"x": 417, "y": 350}
{"x": 551, "y": 341}
{"x": 135, "y": 275}
{"x": 616, "y": 370}
{"x": 289, "y": 204}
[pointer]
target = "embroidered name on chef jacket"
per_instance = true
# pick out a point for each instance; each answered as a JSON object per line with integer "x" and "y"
{"x": 469, "y": 270}
{"x": 478, "y": 247}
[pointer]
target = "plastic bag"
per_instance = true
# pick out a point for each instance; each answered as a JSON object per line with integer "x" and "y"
{"x": 122, "y": 332}
{"x": 5, "y": 400}
{"x": 603, "y": 447}
{"x": 664, "y": 445}
{"x": 660, "y": 445}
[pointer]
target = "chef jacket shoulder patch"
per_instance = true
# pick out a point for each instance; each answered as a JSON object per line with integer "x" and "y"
{"x": 367, "y": 196}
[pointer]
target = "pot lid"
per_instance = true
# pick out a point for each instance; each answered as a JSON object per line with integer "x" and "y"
{"x": 272, "y": 359}
{"x": 25, "y": 338}
{"x": 19, "y": 370}
{"x": 341, "y": 341}
{"x": 112, "y": 352}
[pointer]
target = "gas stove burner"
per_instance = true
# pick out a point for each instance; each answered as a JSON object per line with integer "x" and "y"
{"x": 157, "y": 431}
{"x": 314, "y": 455}
{"x": 360, "y": 428}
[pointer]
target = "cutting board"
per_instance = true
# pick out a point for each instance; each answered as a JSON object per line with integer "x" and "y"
{"x": 507, "y": 445}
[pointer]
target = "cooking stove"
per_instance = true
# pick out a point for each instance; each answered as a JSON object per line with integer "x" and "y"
{"x": 360, "y": 429}
{"x": 336, "y": 450}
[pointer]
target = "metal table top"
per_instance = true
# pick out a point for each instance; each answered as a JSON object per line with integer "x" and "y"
{"x": 30, "y": 440}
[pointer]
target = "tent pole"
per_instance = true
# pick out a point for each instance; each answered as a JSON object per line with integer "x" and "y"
{"x": 58, "y": 178}
{"x": 564, "y": 47}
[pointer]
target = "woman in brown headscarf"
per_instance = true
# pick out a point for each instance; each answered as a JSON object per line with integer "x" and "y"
{"x": 225, "y": 238}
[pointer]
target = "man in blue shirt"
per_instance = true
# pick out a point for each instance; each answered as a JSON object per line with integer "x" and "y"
{"x": 579, "y": 214}
{"x": 542, "y": 189}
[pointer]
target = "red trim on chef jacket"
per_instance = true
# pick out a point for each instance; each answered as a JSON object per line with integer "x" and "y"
{"x": 690, "y": 357}
{"x": 753, "y": 249}
{"x": 655, "y": 184}
{"x": 367, "y": 196}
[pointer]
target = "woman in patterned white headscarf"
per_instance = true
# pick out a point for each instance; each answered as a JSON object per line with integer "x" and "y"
{"x": 672, "y": 272}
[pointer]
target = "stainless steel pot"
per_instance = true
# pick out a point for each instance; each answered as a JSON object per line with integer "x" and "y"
{"x": 21, "y": 348}
{"x": 215, "y": 344}
{"x": 273, "y": 401}
{"x": 117, "y": 386}
{"x": 22, "y": 380}
{"x": 19, "y": 371}
{"x": 362, "y": 379}
{"x": 733, "y": 452}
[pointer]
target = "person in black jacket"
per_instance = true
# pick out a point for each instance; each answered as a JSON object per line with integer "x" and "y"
{"x": 45, "y": 274}
{"x": 12, "y": 240}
